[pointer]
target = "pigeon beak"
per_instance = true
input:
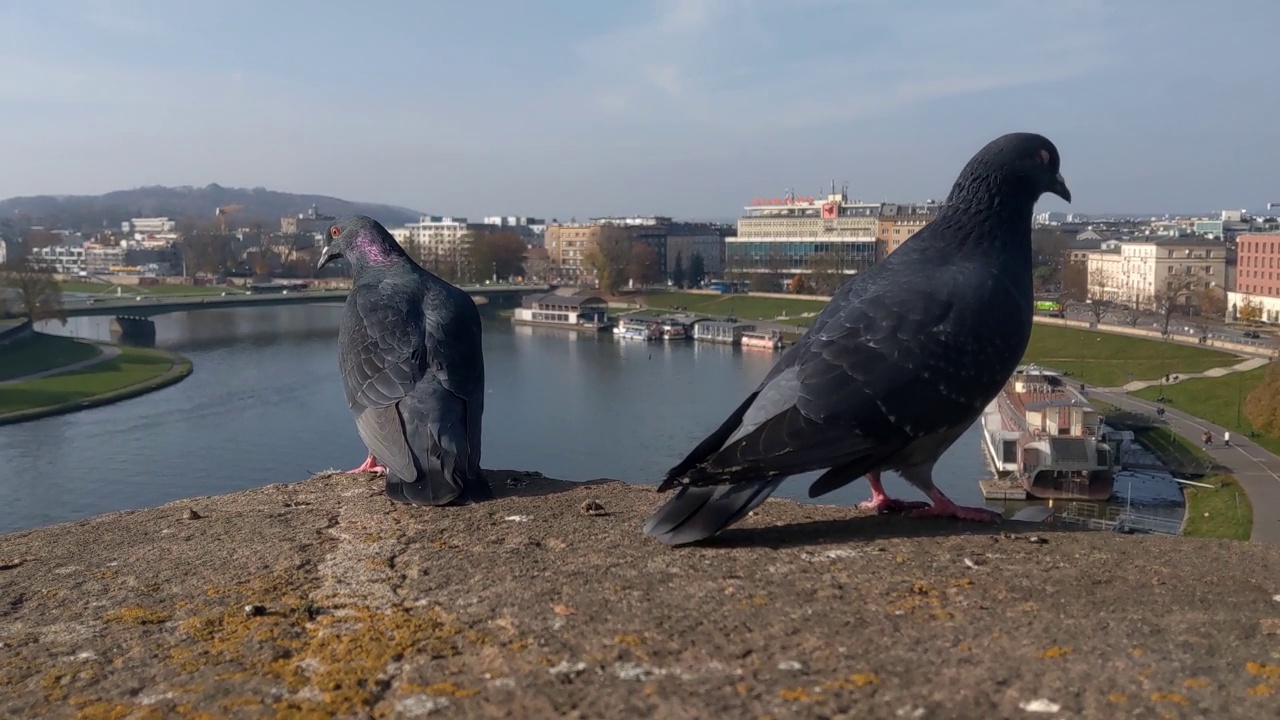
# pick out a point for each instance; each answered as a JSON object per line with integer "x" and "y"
{"x": 327, "y": 256}
{"x": 1060, "y": 188}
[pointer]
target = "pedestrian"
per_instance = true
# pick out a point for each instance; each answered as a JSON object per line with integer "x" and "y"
{"x": 1208, "y": 438}
{"x": 1226, "y": 438}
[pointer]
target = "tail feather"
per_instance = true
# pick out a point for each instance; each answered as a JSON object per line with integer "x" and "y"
{"x": 446, "y": 473}
{"x": 697, "y": 513}
{"x": 709, "y": 444}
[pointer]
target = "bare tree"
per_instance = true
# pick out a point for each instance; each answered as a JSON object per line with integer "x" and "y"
{"x": 1166, "y": 302}
{"x": 825, "y": 274}
{"x": 38, "y": 292}
{"x": 1211, "y": 306}
{"x": 1074, "y": 281}
{"x": 1132, "y": 315}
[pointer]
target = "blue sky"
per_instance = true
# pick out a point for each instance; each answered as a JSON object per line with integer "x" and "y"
{"x": 680, "y": 107}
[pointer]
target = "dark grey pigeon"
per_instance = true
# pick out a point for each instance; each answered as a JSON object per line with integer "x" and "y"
{"x": 895, "y": 368}
{"x": 413, "y": 369}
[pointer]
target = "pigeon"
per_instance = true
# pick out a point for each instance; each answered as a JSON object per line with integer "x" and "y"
{"x": 901, "y": 361}
{"x": 412, "y": 367}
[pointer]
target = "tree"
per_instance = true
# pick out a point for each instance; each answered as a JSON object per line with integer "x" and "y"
{"x": 610, "y": 257}
{"x": 1074, "y": 281}
{"x": 643, "y": 268}
{"x": 208, "y": 254}
{"x": 1211, "y": 307}
{"x": 798, "y": 285}
{"x": 1249, "y": 310}
{"x": 1262, "y": 407}
{"x": 1132, "y": 315}
{"x": 825, "y": 273}
{"x": 38, "y": 291}
{"x": 504, "y": 252}
{"x": 1166, "y": 303}
{"x": 677, "y": 273}
{"x": 697, "y": 270}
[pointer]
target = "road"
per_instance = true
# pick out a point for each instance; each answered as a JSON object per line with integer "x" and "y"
{"x": 1178, "y": 325}
{"x": 1257, "y": 470}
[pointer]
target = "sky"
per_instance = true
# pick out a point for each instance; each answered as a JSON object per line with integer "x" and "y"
{"x": 688, "y": 108}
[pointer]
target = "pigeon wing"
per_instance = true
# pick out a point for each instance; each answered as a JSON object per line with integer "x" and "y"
{"x": 888, "y": 366}
{"x": 384, "y": 356}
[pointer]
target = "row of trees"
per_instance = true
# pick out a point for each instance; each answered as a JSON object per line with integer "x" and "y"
{"x": 30, "y": 289}
{"x": 1203, "y": 307}
{"x": 478, "y": 257}
{"x": 691, "y": 277}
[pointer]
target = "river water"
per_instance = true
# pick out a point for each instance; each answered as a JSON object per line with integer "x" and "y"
{"x": 265, "y": 405}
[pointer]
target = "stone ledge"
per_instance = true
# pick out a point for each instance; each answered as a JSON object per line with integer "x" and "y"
{"x": 323, "y": 599}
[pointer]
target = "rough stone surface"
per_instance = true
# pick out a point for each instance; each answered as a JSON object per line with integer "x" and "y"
{"x": 323, "y": 599}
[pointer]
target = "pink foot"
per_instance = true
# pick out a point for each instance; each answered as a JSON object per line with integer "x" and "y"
{"x": 370, "y": 465}
{"x": 882, "y": 503}
{"x": 944, "y": 507}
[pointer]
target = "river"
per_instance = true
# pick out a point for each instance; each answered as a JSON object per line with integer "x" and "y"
{"x": 265, "y": 405}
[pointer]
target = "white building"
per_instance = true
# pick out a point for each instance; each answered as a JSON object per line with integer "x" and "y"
{"x": 1139, "y": 270}
{"x": 69, "y": 259}
{"x": 1267, "y": 308}
{"x": 434, "y": 236}
{"x": 786, "y": 235}
{"x": 149, "y": 225}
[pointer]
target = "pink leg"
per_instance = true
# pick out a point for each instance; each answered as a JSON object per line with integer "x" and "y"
{"x": 944, "y": 507}
{"x": 882, "y": 503}
{"x": 370, "y": 465}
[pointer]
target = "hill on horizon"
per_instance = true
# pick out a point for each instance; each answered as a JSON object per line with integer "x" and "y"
{"x": 91, "y": 212}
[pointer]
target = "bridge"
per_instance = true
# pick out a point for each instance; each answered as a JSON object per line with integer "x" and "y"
{"x": 132, "y": 313}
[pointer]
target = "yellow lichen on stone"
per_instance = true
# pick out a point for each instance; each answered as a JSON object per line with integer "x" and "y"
{"x": 448, "y": 689}
{"x": 795, "y": 695}
{"x": 1175, "y": 698}
{"x": 1055, "y": 652}
{"x": 136, "y": 616}
{"x": 1195, "y": 683}
{"x": 1117, "y": 698}
{"x": 856, "y": 680}
{"x": 1270, "y": 672}
{"x": 1260, "y": 690}
{"x": 632, "y": 640}
{"x": 104, "y": 711}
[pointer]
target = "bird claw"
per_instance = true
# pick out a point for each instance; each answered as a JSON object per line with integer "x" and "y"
{"x": 885, "y": 504}
{"x": 370, "y": 465}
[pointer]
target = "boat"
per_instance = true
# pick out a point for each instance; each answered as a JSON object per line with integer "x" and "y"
{"x": 1042, "y": 433}
{"x": 637, "y": 329}
{"x": 769, "y": 339}
{"x": 672, "y": 329}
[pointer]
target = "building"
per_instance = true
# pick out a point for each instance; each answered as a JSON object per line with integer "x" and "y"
{"x": 1140, "y": 270}
{"x": 792, "y": 234}
{"x": 103, "y": 258}
{"x": 568, "y": 246}
{"x": 68, "y": 259}
{"x": 149, "y": 225}
{"x": 685, "y": 240}
{"x": 530, "y": 229}
{"x": 896, "y": 223}
{"x": 312, "y": 222}
{"x": 436, "y": 236}
{"x": 566, "y": 310}
{"x": 1257, "y": 285}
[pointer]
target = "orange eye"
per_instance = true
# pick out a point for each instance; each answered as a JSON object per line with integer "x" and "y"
{"x": 334, "y": 231}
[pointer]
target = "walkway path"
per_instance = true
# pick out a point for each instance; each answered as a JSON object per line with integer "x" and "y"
{"x": 1257, "y": 470}
{"x": 106, "y": 353}
{"x": 1246, "y": 366}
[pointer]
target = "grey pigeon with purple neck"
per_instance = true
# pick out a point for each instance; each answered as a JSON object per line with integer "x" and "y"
{"x": 895, "y": 368}
{"x": 412, "y": 368}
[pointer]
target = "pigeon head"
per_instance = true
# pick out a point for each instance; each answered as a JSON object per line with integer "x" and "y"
{"x": 1021, "y": 166}
{"x": 362, "y": 241}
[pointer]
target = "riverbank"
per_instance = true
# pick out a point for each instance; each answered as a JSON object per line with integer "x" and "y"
{"x": 323, "y": 599}
{"x": 63, "y": 375}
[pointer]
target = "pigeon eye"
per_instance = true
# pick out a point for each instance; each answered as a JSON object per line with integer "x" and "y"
{"x": 334, "y": 231}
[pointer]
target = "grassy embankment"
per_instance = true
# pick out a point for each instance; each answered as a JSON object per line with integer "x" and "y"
{"x": 42, "y": 352}
{"x": 1222, "y": 511}
{"x": 133, "y": 372}
{"x": 99, "y": 288}
{"x": 1219, "y": 400}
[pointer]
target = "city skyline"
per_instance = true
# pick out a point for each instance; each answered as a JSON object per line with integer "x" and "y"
{"x": 682, "y": 108}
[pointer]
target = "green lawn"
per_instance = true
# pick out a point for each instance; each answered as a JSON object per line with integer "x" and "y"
{"x": 105, "y": 288}
{"x": 1217, "y": 400}
{"x": 1107, "y": 360}
{"x": 132, "y": 367}
{"x": 42, "y": 352}
{"x": 1229, "y": 513}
